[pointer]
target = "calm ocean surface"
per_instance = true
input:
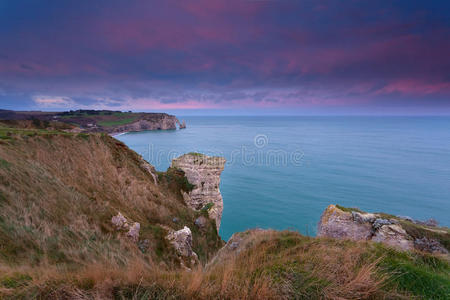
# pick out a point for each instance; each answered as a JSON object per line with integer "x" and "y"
{"x": 283, "y": 171}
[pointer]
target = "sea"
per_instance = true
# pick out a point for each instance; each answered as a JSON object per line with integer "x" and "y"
{"x": 282, "y": 172}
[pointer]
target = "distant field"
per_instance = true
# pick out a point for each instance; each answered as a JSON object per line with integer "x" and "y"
{"x": 86, "y": 120}
{"x": 117, "y": 122}
{"x": 102, "y": 119}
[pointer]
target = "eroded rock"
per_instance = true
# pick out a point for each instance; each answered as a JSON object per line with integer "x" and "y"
{"x": 339, "y": 224}
{"x": 121, "y": 223}
{"x": 356, "y": 225}
{"x": 133, "y": 232}
{"x": 158, "y": 121}
{"x": 203, "y": 172}
{"x": 181, "y": 240}
{"x": 381, "y": 222}
{"x": 429, "y": 245}
{"x": 363, "y": 217}
{"x": 393, "y": 235}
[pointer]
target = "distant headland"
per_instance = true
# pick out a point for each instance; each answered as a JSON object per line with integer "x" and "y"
{"x": 107, "y": 121}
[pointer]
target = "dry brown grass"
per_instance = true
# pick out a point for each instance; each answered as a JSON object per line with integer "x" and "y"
{"x": 267, "y": 269}
{"x": 59, "y": 192}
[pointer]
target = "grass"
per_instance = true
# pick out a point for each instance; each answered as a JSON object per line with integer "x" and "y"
{"x": 58, "y": 197}
{"x": 418, "y": 274}
{"x": 111, "y": 123}
{"x": 8, "y": 133}
{"x": 196, "y": 154}
{"x": 207, "y": 207}
{"x": 417, "y": 231}
{"x": 4, "y": 164}
{"x": 176, "y": 179}
{"x": 59, "y": 191}
{"x": 269, "y": 265}
{"x": 349, "y": 209}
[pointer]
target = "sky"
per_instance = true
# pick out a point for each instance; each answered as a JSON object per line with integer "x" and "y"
{"x": 241, "y": 57}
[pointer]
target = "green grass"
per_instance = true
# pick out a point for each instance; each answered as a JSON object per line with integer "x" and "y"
{"x": 4, "y": 164}
{"x": 124, "y": 121}
{"x": 176, "y": 177}
{"x": 196, "y": 154}
{"x": 207, "y": 207}
{"x": 14, "y": 281}
{"x": 7, "y": 133}
{"x": 422, "y": 275}
{"x": 349, "y": 209}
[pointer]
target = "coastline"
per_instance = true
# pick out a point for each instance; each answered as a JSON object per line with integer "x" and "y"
{"x": 116, "y": 134}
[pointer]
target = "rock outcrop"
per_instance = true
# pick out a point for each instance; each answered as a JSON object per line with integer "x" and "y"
{"x": 152, "y": 122}
{"x": 122, "y": 224}
{"x": 181, "y": 240}
{"x": 182, "y": 125}
{"x": 203, "y": 172}
{"x": 343, "y": 223}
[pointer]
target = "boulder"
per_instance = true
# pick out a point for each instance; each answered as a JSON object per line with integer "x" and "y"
{"x": 119, "y": 221}
{"x": 181, "y": 240}
{"x": 133, "y": 232}
{"x": 340, "y": 224}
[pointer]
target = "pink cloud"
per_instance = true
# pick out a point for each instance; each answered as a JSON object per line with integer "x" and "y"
{"x": 415, "y": 87}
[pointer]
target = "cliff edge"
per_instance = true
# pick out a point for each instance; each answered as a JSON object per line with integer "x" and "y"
{"x": 112, "y": 122}
{"x": 84, "y": 217}
{"x": 400, "y": 232}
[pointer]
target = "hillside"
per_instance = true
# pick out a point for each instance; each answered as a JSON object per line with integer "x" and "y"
{"x": 60, "y": 198}
{"x": 99, "y": 120}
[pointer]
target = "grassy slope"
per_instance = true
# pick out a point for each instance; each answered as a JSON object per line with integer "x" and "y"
{"x": 58, "y": 193}
{"x": 82, "y": 118}
{"x": 104, "y": 120}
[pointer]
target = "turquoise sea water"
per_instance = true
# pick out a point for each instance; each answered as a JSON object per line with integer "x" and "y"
{"x": 283, "y": 171}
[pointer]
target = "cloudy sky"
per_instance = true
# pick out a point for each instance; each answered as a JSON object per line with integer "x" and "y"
{"x": 227, "y": 56}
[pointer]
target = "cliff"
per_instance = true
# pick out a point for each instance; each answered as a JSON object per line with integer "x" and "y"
{"x": 401, "y": 232}
{"x": 74, "y": 199}
{"x": 153, "y": 122}
{"x": 84, "y": 217}
{"x": 203, "y": 173}
{"x": 112, "y": 122}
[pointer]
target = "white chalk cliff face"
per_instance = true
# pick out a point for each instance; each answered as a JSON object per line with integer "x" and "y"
{"x": 152, "y": 122}
{"x": 355, "y": 225}
{"x": 203, "y": 172}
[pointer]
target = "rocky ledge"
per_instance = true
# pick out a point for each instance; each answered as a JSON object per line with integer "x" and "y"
{"x": 399, "y": 232}
{"x": 203, "y": 173}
